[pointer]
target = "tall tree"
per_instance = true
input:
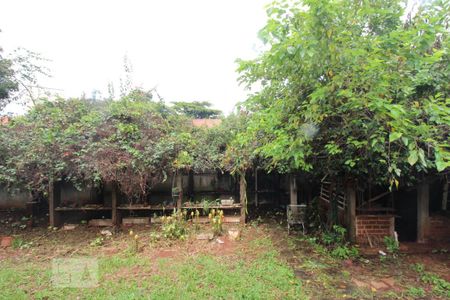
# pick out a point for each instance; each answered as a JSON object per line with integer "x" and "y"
{"x": 7, "y": 82}
{"x": 350, "y": 89}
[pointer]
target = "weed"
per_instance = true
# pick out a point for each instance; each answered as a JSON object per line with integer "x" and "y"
{"x": 216, "y": 219}
{"x": 175, "y": 225}
{"x": 392, "y": 246}
{"x": 134, "y": 242}
{"x": 97, "y": 242}
{"x": 440, "y": 286}
{"x": 19, "y": 243}
{"x": 345, "y": 252}
{"x": 415, "y": 292}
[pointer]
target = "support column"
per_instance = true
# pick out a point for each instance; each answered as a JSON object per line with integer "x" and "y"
{"x": 423, "y": 210}
{"x": 445, "y": 194}
{"x": 293, "y": 190}
{"x": 190, "y": 189}
{"x": 114, "y": 205}
{"x": 256, "y": 187}
{"x": 180, "y": 190}
{"x": 54, "y": 196}
{"x": 243, "y": 196}
{"x": 350, "y": 201}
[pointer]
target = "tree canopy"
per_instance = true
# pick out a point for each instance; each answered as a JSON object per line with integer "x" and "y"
{"x": 350, "y": 88}
{"x": 196, "y": 109}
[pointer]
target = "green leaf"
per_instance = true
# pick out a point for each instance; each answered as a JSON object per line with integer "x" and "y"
{"x": 394, "y": 136}
{"x": 413, "y": 157}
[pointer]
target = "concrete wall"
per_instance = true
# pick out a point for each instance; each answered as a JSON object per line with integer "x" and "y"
{"x": 15, "y": 200}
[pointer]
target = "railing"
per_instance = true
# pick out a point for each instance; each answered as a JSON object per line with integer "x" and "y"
{"x": 326, "y": 195}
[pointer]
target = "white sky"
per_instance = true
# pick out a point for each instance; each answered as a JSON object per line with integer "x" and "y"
{"x": 185, "y": 48}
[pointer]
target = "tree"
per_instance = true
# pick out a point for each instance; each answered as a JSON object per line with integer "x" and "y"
{"x": 7, "y": 82}
{"x": 349, "y": 89}
{"x": 19, "y": 76}
{"x": 197, "y": 109}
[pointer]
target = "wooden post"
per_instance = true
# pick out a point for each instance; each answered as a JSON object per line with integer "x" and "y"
{"x": 293, "y": 190}
{"x": 53, "y": 202}
{"x": 180, "y": 190}
{"x": 445, "y": 194}
{"x": 256, "y": 187}
{"x": 190, "y": 191}
{"x": 114, "y": 205}
{"x": 350, "y": 195}
{"x": 243, "y": 196}
{"x": 423, "y": 203}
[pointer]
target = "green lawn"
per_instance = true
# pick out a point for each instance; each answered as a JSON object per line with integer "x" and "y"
{"x": 135, "y": 276}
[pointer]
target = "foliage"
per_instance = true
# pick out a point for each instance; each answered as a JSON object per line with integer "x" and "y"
{"x": 127, "y": 142}
{"x": 345, "y": 252}
{"x": 335, "y": 240}
{"x": 441, "y": 287}
{"x": 335, "y": 236}
{"x": 416, "y": 292}
{"x": 391, "y": 245}
{"x": 196, "y": 109}
{"x": 97, "y": 242}
{"x": 7, "y": 83}
{"x": 133, "y": 242}
{"x": 350, "y": 89}
{"x": 19, "y": 74}
{"x": 216, "y": 220}
{"x": 175, "y": 225}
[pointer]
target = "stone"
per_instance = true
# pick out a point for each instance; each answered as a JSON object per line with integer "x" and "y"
{"x": 234, "y": 234}
{"x": 68, "y": 227}
{"x": 106, "y": 232}
{"x": 360, "y": 284}
{"x": 205, "y": 236}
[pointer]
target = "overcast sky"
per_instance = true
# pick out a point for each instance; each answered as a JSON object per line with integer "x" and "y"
{"x": 187, "y": 49}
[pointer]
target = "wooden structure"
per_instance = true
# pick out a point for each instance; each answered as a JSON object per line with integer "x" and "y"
{"x": 116, "y": 209}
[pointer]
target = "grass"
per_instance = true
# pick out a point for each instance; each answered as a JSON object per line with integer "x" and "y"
{"x": 264, "y": 264}
{"x": 203, "y": 276}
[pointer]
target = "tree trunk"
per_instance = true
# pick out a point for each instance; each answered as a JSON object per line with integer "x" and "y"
{"x": 243, "y": 196}
{"x": 423, "y": 203}
{"x": 54, "y": 196}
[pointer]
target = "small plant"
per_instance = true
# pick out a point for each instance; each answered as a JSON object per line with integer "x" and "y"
{"x": 134, "y": 242}
{"x": 416, "y": 292}
{"x": 345, "y": 252}
{"x": 19, "y": 243}
{"x": 335, "y": 237}
{"x": 441, "y": 287}
{"x": 175, "y": 225}
{"x": 97, "y": 242}
{"x": 392, "y": 246}
{"x": 216, "y": 219}
{"x": 195, "y": 217}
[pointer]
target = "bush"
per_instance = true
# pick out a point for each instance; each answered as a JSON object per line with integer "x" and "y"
{"x": 175, "y": 225}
